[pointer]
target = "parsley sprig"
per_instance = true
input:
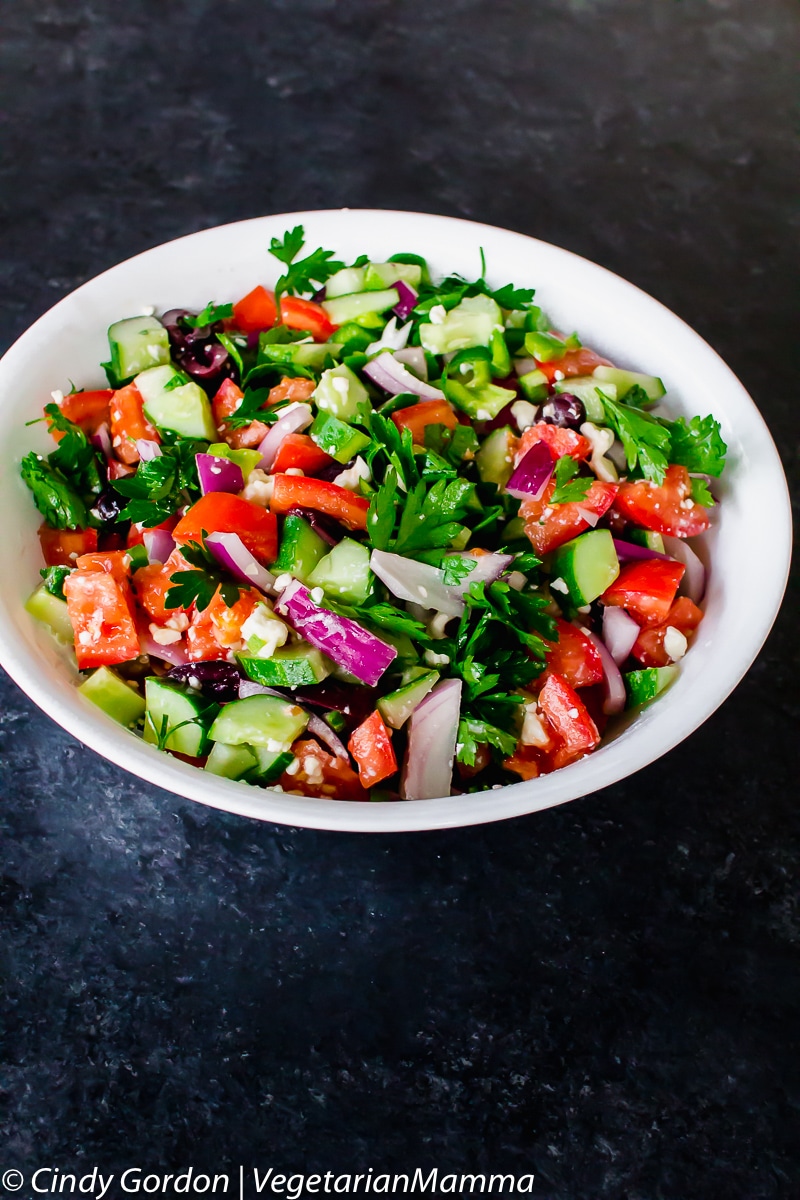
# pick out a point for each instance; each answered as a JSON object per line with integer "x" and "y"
{"x": 163, "y": 484}
{"x": 199, "y": 587}
{"x": 430, "y": 516}
{"x": 644, "y": 439}
{"x": 569, "y": 485}
{"x": 301, "y": 276}
{"x": 209, "y": 315}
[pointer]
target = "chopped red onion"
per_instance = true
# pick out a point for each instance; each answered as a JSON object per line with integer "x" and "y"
{"x": 248, "y": 687}
{"x": 530, "y": 478}
{"x": 590, "y": 517}
{"x": 147, "y": 449}
{"x": 693, "y": 583}
{"x": 102, "y": 439}
{"x": 408, "y": 299}
{"x": 432, "y": 733}
{"x": 393, "y": 377}
{"x": 159, "y": 544}
{"x": 326, "y": 735}
{"x": 620, "y": 631}
{"x": 175, "y": 653}
{"x": 414, "y": 357}
{"x": 231, "y": 553}
{"x": 346, "y": 642}
{"x": 391, "y": 338}
{"x": 613, "y": 683}
{"x": 295, "y": 418}
{"x": 420, "y": 583}
{"x": 632, "y": 552}
{"x": 217, "y": 474}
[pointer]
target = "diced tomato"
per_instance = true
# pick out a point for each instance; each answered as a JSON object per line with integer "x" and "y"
{"x": 574, "y": 362}
{"x": 113, "y": 562}
{"x": 100, "y": 612}
{"x": 291, "y": 388}
{"x": 665, "y": 508}
{"x": 118, "y": 470}
{"x": 645, "y": 589}
{"x": 305, "y": 314}
{"x": 300, "y": 452}
{"x": 61, "y": 547}
{"x": 255, "y": 311}
{"x": 558, "y": 441}
{"x": 136, "y": 535}
{"x": 371, "y": 746}
{"x": 295, "y": 491}
{"x": 202, "y": 644}
{"x": 574, "y": 657}
{"x": 128, "y": 422}
{"x": 87, "y": 409}
{"x": 684, "y": 616}
{"x": 322, "y": 774}
{"x": 525, "y": 761}
{"x": 228, "y": 619}
{"x": 419, "y": 416}
{"x": 226, "y": 400}
{"x": 110, "y": 539}
{"x": 548, "y": 526}
{"x": 221, "y": 512}
{"x": 569, "y": 720}
{"x": 151, "y": 584}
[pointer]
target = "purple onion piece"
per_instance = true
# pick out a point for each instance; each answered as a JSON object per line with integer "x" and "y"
{"x": 249, "y": 687}
{"x": 420, "y": 583}
{"x": 633, "y": 552}
{"x": 101, "y": 438}
{"x": 329, "y": 739}
{"x": 231, "y": 553}
{"x": 175, "y": 653}
{"x": 352, "y": 647}
{"x": 693, "y": 583}
{"x": 620, "y": 632}
{"x": 216, "y": 679}
{"x": 432, "y": 732}
{"x": 532, "y": 475}
{"x": 159, "y": 544}
{"x": 218, "y": 474}
{"x": 414, "y": 357}
{"x": 408, "y": 299}
{"x": 295, "y": 418}
{"x": 147, "y": 449}
{"x": 613, "y": 683}
{"x": 393, "y": 377}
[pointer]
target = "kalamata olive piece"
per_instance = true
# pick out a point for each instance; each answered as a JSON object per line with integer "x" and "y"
{"x": 216, "y": 679}
{"x": 565, "y": 410}
{"x": 110, "y": 504}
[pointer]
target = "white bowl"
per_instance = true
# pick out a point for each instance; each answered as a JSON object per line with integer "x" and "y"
{"x": 749, "y": 556}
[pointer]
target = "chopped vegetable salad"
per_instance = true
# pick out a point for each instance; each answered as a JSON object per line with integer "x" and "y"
{"x": 370, "y": 535}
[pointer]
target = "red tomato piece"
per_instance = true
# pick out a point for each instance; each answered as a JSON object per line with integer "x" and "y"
{"x": 113, "y": 562}
{"x": 61, "y": 547}
{"x": 299, "y": 451}
{"x": 306, "y": 314}
{"x": 574, "y": 657}
{"x": 87, "y": 409}
{"x": 227, "y": 620}
{"x": 101, "y": 616}
{"x": 295, "y": 491}
{"x": 118, "y": 470}
{"x": 322, "y": 774}
{"x": 574, "y": 362}
{"x": 226, "y": 400}
{"x": 645, "y": 589}
{"x": 202, "y": 644}
{"x": 684, "y": 616}
{"x": 291, "y": 388}
{"x": 419, "y": 416}
{"x": 371, "y": 747}
{"x": 569, "y": 720}
{"x": 665, "y": 508}
{"x": 255, "y": 311}
{"x": 558, "y": 441}
{"x": 128, "y": 423}
{"x": 151, "y": 584}
{"x": 221, "y": 512}
{"x": 548, "y": 527}
{"x": 526, "y": 761}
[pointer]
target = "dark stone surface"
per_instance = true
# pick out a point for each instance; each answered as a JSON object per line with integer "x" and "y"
{"x": 604, "y": 994}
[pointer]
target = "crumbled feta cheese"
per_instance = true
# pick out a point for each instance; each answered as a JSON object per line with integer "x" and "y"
{"x": 163, "y": 636}
{"x": 573, "y": 712}
{"x": 293, "y": 767}
{"x": 294, "y": 471}
{"x": 85, "y": 638}
{"x": 148, "y": 311}
{"x": 269, "y": 630}
{"x": 282, "y": 582}
{"x": 687, "y": 503}
{"x": 436, "y": 660}
{"x": 483, "y": 415}
{"x": 558, "y": 585}
{"x": 524, "y": 413}
{"x": 351, "y": 477}
{"x": 675, "y": 643}
{"x": 585, "y": 608}
{"x": 533, "y": 730}
{"x": 438, "y": 624}
{"x": 602, "y": 440}
{"x": 437, "y": 314}
{"x": 558, "y": 375}
{"x": 178, "y": 620}
{"x": 58, "y": 396}
{"x": 258, "y": 488}
{"x": 317, "y": 595}
{"x": 516, "y": 580}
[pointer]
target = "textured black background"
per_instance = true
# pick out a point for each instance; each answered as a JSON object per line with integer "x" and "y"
{"x": 605, "y": 994}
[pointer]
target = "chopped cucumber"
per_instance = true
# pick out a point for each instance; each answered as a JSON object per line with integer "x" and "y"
{"x": 625, "y": 380}
{"x": 481, "y": 403}
{"x": 247, "y": 460}
{"x": 340, "y": 392}
{"x": 585, "y": 388}
{"x": 644, "y": 686}
{"x": 353, "y": 337}
{"x": 173, "y": 403}
{"x": 534, "y": 385}
{"x": 270, "y": 765}
{"x": 301, "y": 549}
{"x": 337, "y": 438}
{"x": 344, "y": 572}
{"x": 302, "y": 354}
{"x": 501, "y": 358}
{"x": 494, "y": 460}
{"x": 345, "y": 282}
{"x": 121, "y": 702}
{"x": 387, "y": 274}
{"x": 292, "y": 667}
{"x": 349, "y": 308}
{"x": 398, "y": 706}
{"x": 52, "y": 611}
{"x": 587, "y": 565}
{"x": 470, "y": 323}
{"x": 177, "y": 718}
{"x": 231, "y": 762}
{"x": 646, "y": 537}
{"x": 259, "y": 721}
{"x": 136, "y": 344}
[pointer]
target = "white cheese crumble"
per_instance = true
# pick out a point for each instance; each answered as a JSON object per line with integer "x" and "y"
{"x": 524, "y": 413}
{"x": 436, "y": 660}
{"x": 533, "y": 730}
{"x": 58, "y": 396}
{"x": 675, "y": 643}
{"x": 351, "y": 477}
{"x": 516, "y": 580}
{"x": 317, "y": 595}
{"x": 267, "y": 629}
{"x": 164, "y": 637}
{"x": 573, "y": 712}
{"x": 294, "y": 471}
{"x": 282, "y": 582}
{"x": 437, "y": 314}
{"x": 558, "y": 585}
{"x": 258, "y": 488}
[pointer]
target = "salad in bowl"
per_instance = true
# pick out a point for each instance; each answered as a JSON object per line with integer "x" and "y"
{"x": 372, "y": 534}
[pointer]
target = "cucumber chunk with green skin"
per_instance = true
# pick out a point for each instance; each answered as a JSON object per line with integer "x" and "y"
{"x": 302, "y": 354}
{"x": 353, "y": 337}
{"x": 585, "y": 388}
{"x": 246, "y": 460}
{"x": 646, "y": 537}
{"x": 470, "y": 323}
{"x": 291, "y": 666}
{"x": 482, "y": 403}
{"x": 495, "y": 460}
{"x": 136, "y": 344}
{"x": 397, "y": 707}
{"x": 172, "y": 403}
{"x": 114, "y": 696}
{"x": 586, "y": 566}
{"x": 345, "y": 282}
{"x": 387, "y": 274}
{"x": 300, "y": 550}
{"x": 349, "y": 308}
{"x": 270, "y": 765}
{"x": 337, "y": 438}
{"x": 230, "y": 762}
{"x": 625, "y": 380}
{"x": 177, "y": 718}
{"x": 344, "y": 572}
{"x": 51, "y": 611}
{"x": 340, "y": 392}
{"x": 534, "y": 385}
{"x": 265, "y": 721}
{"x": 644, "y": 686}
